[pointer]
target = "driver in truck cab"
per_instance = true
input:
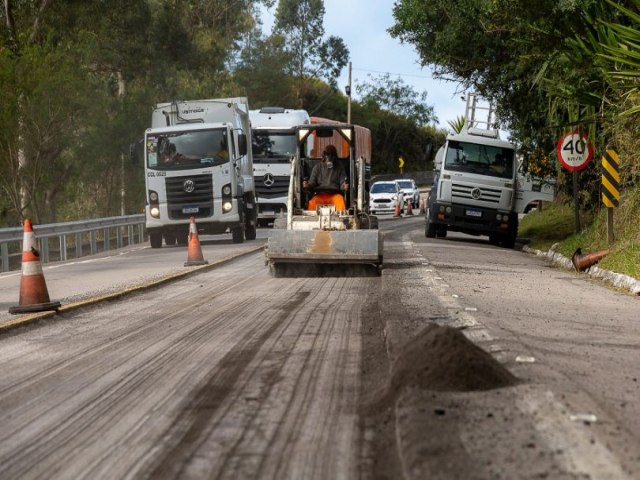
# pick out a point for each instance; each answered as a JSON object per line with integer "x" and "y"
{"x": 327, "y": 179}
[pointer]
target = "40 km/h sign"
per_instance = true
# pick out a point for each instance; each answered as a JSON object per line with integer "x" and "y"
{"x": 574, "y": 151}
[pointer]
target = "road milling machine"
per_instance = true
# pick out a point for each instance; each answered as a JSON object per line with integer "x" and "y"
{"x": 325, "y": 240}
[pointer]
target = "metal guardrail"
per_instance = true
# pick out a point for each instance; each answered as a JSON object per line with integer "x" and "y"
{"x": 128, "y": 227}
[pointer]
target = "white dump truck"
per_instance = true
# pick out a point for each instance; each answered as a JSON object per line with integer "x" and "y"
{"x": 198, "y": 164}
{"x": 274, "y": 143}
{"x": 478, "y": 189}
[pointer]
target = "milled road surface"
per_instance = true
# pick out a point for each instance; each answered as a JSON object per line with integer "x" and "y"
{"x": 573, "y": 344}
{"x": 461, "y": 361}
{"x": 230, "y": 374}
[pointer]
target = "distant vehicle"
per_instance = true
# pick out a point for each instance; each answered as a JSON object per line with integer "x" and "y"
{"x": 198, "y": 163}
{"x": 384, "y": 196}
{"x": 410, "y": 190}
{"x": 478, "y": 189}
{"x": 273, "y": 144}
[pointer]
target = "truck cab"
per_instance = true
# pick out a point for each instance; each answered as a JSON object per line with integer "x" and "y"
{"x": 197, "y": 164}
{"x": 477, "y": 188}
{"x": 274, "y": 143}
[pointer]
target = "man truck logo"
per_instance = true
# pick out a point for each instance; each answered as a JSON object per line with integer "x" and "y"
{"x": 189, "y": 186}
{"x": 476, "y": 193}
{"x": 268, "y": 180}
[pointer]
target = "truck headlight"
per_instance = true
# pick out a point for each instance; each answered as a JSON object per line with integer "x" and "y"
{"x": 226, "y": 190}
{"x": 155, "y": 212}
{"x": 153, "y": 196}
{"x": 226, "y": 207}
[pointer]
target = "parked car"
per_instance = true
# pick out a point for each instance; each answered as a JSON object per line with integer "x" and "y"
{"x": 384, "y": 196}
{"x": 411, "y": 192}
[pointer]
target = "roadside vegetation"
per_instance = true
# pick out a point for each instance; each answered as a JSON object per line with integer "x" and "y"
{"x": 79, "y": 78}
{"x": 553, "y": 228}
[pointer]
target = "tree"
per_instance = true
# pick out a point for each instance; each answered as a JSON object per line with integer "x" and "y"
{"x": 261, "y": 72}
{"x": 395, "y": 96}
{"x": 300, "y": 22}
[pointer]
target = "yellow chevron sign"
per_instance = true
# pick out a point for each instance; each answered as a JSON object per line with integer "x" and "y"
{"x": 610, "y": 179}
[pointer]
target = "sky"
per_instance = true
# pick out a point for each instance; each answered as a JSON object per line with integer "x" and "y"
{"x": 363, "y": 24}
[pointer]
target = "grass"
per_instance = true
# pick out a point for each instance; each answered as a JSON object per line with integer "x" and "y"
{"x": 554, "y": 225}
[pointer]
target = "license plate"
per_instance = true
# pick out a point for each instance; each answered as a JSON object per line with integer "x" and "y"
{"x": 473, "y": 213}
{"x": 268, "y": 212}
{"x": 190, "y": 210}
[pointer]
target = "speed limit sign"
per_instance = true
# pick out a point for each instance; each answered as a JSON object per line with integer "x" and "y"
{"x": 574, "y": 150}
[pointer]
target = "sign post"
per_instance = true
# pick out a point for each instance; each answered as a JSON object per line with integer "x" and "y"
{"x": 610, "y": 187}
{"x": 575, "y": 151}
{"x": 401, "y": 163}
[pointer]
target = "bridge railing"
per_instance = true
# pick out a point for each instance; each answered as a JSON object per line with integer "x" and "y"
{"x": 59, "y": 241}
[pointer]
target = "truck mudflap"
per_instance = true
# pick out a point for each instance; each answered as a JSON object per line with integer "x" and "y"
{"x": 325, "y": 246}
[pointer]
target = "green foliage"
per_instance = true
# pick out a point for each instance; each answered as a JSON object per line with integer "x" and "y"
{"x": 554, "y": 226}
{"x": 300, "y": 22}
{"x": 457, "y": 125}
{"x": 393, "y": 95}
{"x": 78, "y": 80}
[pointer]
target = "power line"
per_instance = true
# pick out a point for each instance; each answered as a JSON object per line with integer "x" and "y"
{"x": 392, "y": 73}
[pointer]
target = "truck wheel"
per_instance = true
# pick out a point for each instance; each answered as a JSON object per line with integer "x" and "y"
{"x": 441, "y": 232}
{"x": 509, "y": 240}
{"x": 169, "y": 239}
{"x": 183, "y": 238}
{"x": 250, "y": 232}
{"x": 155, "y": 239}
{"x": 430, "y": 230}
{"x": 237, "y": 234}
{"x": 250, "y": 228}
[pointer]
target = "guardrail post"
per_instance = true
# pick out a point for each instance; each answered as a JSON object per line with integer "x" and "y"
{"x": 93, "y": 242}
{"x": 141, "y": 232}
{"x": 119, "y": 236}
{"x": 44, "y": 250}
{"x": 4, "y": 253}
{"x": 130, "y": 238}
{"x": 107, "y": 239}
{"x": 78, "y": 245}
{"x": 63, "y": 247}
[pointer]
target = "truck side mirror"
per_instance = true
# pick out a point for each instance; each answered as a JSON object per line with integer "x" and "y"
{"x": 242, "y": 143}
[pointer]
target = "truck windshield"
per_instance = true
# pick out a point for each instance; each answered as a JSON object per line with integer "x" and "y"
{"x": 271, "y": 147}
{"x": 479, "y": 159}
{"x": 187, "y": 150}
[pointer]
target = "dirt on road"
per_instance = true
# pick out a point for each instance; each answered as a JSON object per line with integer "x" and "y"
{"x": 442, "y": 399}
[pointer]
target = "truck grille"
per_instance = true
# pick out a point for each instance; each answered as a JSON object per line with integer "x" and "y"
{"x": 178, "y": 198}
{"x": 279, "y": 187}
{"x": 469, "y": 192}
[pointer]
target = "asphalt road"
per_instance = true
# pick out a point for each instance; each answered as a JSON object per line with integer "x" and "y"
{"x": 462, "y": 360}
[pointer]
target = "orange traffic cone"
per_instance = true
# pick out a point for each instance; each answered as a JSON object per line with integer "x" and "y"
{"x": 582, "y": 262}
{"x": 410, "y": 207}
{"x": 194, "y": 253}
{"x": 396, "y": 214}
{"x": 34, "y": 296}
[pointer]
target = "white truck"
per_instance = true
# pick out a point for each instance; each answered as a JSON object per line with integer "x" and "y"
{"x": 274, "y": 143}
{"x": 477, "y": 188}
{"x": 198, "y": 164}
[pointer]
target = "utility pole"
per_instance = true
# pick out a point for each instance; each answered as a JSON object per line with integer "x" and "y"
{"x": 348, "y": 91}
